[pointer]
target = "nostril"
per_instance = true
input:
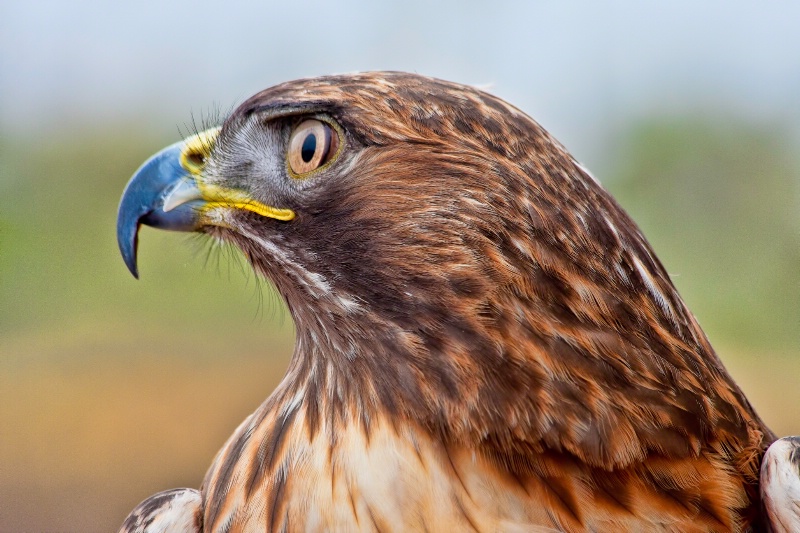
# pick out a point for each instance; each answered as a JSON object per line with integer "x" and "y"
{"x": 195, "y": 160}
{"x": 196, "y": 149}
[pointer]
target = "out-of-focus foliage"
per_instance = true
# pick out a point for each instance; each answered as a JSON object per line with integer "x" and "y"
{"x": 720, "y": 202}
{"x": 112, "y": 389}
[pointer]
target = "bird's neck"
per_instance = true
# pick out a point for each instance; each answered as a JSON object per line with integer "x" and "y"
{"x": 489, "y": 380}
{"x": 449, "y": 376}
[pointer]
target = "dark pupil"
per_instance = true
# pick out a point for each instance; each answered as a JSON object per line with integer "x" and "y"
{"x": 309, "y": 147}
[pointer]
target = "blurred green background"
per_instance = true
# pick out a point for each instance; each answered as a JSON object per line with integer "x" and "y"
{"x": 112, "y": 389}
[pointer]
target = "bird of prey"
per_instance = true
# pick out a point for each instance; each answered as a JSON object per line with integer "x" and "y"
{"x": 485, "y": 340}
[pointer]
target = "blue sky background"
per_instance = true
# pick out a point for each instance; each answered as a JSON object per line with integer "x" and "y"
{"x": 580, "y": 68}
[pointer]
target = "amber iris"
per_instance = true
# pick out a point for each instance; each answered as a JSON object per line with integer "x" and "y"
{"x": 312, "y": 144}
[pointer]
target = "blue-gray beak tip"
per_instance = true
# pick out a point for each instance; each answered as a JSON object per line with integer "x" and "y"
{"x": 128, "y": 237}
{"x": 143, "y": 200}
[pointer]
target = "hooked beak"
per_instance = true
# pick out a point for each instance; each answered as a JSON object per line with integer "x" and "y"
{"x": 168, "y": 192}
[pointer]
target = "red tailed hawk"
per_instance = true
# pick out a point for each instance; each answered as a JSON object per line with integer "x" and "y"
{"x": 485, "y": 340}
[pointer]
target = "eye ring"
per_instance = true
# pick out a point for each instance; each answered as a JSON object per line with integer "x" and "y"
{"x": 312, "y": 145}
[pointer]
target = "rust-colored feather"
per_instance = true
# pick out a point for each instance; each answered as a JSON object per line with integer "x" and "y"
{"x": 485, "y": 340}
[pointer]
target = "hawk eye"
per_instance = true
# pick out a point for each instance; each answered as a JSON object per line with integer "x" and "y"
{"x": 313, "y": 143}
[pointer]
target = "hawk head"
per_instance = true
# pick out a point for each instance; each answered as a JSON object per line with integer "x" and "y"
{"x": 448, "y": 263}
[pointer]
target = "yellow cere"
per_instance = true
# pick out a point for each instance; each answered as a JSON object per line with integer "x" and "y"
{"x": 196, "y": 150}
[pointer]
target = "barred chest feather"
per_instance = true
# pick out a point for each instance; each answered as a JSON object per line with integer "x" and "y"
{"x": 273, "y": 476}
{"x": 392, "y": 478}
